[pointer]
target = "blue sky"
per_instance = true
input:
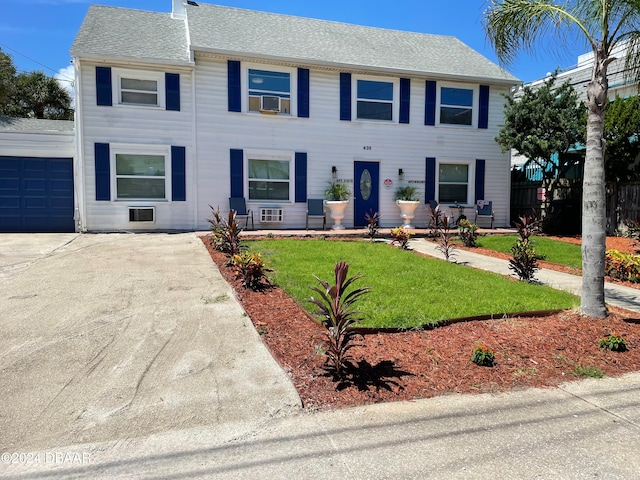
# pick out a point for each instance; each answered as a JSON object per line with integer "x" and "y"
{"x": 38, "y": 33}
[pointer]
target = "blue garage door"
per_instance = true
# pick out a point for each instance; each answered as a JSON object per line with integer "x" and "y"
{"x": 36, "y": 194}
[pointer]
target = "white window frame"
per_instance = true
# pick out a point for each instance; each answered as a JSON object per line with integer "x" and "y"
{"x": 258, "y": 154}
{"x": 395, "y": 110}
{"x": 139, "y": 149}
{"x": 119, "y": 73}
{"x": 471, "y": 172}
{"x": 293, "y": 86}
{"x": 476, "y": 103}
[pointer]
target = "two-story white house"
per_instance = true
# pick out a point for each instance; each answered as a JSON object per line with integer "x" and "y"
{"x": 179, "y": 111}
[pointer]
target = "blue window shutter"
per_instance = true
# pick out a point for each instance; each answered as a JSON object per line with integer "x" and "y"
{"x": 405, "y": 99}
{"x": 103, "y": 176}
{"x": 480, "y": 169}
{"x": 178, "y": 174}
{"x": 483, "y": 112}
{"x": 430, "y": 180}
{"x": 430, "y": 103}
{"x": 345, "y": 96}
{"x": 172, "y": 91}
{"x": 303, "y": 92}
{"x": 237, "y": 180}
{"x": 103, "y": 87}
{"x": 234, "y": 87}
{"x": 301, "y": 177}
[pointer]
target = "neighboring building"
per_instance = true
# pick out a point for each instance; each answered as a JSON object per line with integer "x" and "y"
{"x": 36, "y": 175}
{"x": 579, "y": 77}
{"x": 176, "y": 112}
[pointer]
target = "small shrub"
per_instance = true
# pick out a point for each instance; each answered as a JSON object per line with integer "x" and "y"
{"x": 586, "y": 371}
{"x": 401, "y": 237}
{"x": 524, "y": 262}
{"x": 623, "y": 266}
{"x": 337, "y": 310}
{"x": 483, "y": 355}
{"x": 373, "y": 220}
{"x": 225, "y": 232}
{"x": 435, "y": 220}
{"x": 406, "y": 193}
{"x": 337, "y": 191}
{"x": 445, "y": 239}
{"x": 468, "y": 233}
{"x": 613, "y": 342}
{"x": 251, "y": 269}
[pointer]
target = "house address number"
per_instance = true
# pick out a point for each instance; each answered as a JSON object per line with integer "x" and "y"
{"x": 367, "y": 147}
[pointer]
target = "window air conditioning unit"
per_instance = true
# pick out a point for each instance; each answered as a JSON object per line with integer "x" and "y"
{"x": 142, "y": 214}
{"x": 269, "y": 103}
{"x": 271, "y": 215}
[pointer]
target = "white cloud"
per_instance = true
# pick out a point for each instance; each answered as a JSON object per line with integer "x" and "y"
{"x": 66, "y": 79}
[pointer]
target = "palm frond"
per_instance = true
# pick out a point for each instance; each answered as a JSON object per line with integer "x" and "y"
{"x": 515, "y": 25}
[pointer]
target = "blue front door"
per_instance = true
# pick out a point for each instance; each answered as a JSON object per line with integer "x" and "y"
{"x": 366, "y": 193}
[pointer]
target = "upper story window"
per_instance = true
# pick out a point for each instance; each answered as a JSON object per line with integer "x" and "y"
{"x": 269, "y": 179}
{"x": 374, "y": 100}
{"x": 139, "y": 88}
{"x": 269, "y": 91}
{"x": 456, "y": 106}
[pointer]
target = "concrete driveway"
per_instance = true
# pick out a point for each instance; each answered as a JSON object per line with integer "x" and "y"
{"x": 115, "y": 336}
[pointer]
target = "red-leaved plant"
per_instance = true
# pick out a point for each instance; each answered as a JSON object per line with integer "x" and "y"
{"x": 338, "y": 315}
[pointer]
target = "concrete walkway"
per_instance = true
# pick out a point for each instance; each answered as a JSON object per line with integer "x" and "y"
{"x": 615, "y": 294}
{"x": 587, "y": 429}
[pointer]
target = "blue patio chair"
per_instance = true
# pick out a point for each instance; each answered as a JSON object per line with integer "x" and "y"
{"x": 315, "y": 209}
{"x": 240, "y": 206}
{"x": 484, "y": 211}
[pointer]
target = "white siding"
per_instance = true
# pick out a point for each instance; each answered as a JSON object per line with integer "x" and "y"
{"x": 329, "y": 141}
{"x": 139, "y": 126}
{"x": 37, "y": 144}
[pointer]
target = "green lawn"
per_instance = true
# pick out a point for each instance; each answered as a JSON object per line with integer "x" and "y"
{"x": 554, "y": 251}
{"x": 408, "y": 290}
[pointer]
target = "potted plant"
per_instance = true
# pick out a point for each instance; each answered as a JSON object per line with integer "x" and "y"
{"x": 407, "y": 199}
{"x": 337, "y": 198}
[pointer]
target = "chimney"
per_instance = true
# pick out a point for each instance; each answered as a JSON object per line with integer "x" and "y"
{"x": 178, "y": 11}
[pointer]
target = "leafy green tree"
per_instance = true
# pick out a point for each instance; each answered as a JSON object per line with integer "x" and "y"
{"x": 622, "y": 133}
{"x": 39, "y": 96}
{"x": 607, "y": 26}
{"x": 7, "y": 74}
{"x": 542, "y": 124}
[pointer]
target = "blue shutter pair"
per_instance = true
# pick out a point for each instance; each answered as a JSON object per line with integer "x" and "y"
{"x": 234, "y": 89}
{"x": 103, "y": 175}
{"x": 430, "y": 188}
{"x": 104, "y": 89}
{"x": 345, "y": 98}
{"x": 430, "y": 104}
{"x": 237, "y": 175}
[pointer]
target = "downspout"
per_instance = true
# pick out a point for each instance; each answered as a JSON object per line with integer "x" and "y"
{"x": 79, "y": 215}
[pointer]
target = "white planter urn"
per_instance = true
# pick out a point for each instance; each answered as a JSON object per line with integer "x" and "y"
{"x": 407, "y": 211}
{"x": 336, "y": 212}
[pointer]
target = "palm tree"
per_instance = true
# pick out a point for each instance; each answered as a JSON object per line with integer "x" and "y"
{"x": 40, "y": 96}
{"x": 609, "y": 27}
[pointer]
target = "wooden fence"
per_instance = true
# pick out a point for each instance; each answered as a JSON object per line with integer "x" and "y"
{"x": 623, "y": 204}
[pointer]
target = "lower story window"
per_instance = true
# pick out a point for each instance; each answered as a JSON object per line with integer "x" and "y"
{"x": 269, "y": 179}
{"x": 140, "y": 176}
{"x": 453, "y": 183}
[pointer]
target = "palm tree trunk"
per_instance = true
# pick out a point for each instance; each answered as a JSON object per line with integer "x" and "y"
{"x": 593, "y": 197}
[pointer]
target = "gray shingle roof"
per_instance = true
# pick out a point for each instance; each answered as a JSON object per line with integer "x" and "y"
{"x": 224, "y": 29}
{"x": 125, "y": 33}
{"x": 30, "y": 125}
{"x": 111, "y": 32}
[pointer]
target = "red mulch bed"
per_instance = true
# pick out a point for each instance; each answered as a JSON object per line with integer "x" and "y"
{"x": 529, "y": 352}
